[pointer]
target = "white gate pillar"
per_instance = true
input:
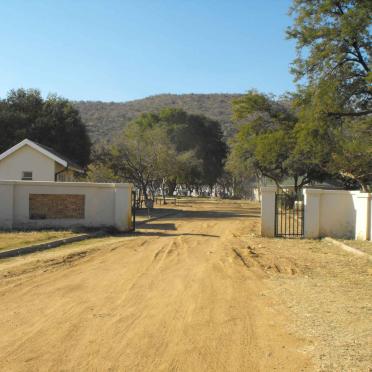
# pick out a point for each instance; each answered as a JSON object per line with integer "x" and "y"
{"x": 311, "y": 213}
{"x": 268, "y": 211}
{"x": 363, "y": 226}
{"x": 122, "y": 207}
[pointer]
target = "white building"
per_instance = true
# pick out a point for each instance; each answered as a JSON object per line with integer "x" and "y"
{"x": 30, "y": 161}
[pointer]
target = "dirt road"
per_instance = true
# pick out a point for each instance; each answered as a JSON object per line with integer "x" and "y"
{"x": 178, "y": 296}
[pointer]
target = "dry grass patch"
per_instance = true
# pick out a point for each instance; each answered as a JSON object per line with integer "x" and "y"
{"x": 9, "y": 240}
{"x": 328, "y": 294}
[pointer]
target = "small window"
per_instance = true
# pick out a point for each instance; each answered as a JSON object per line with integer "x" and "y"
{"x": 61, "y": 177}
{"x": 26, "y": 176}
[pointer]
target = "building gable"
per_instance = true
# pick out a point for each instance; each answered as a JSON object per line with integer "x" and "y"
{"x": 27, "y": 159}
{"x": 36, "y": 147}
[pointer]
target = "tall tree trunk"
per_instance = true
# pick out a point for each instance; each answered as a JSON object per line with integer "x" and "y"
{"x": 363, "y": 186}
{"x": 144, "y": 191}
{"x": 295, "y": 183}
{"x": 163, "y": 190}
{"x": 171, "y": 187}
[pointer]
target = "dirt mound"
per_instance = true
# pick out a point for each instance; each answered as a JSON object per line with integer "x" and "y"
{"x": 265, "y": 261}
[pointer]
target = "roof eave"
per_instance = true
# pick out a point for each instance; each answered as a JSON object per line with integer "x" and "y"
{"x": 75, "y": 169}
{"x": 42, "y": 150}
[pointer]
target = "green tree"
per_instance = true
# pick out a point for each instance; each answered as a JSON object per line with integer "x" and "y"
{"x": 268, "y": 142}
{"x": 143, "y": 154}
{"x": 334, "y": 50}
{"x": 203, "y": 137}
{"x": 185, "y": 171}
{"x": 334, "y": 103}
{"x": 99, "y": 172}
{"x": 353, "y": 157}
{"x": 240, "y": 169}
{"x": 53, "y": 122}
{"x": 166, "y": 149}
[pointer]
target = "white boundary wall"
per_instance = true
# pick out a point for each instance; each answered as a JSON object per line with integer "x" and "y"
{"x": 334, "y": 213}
{"x": 106, "y": 204}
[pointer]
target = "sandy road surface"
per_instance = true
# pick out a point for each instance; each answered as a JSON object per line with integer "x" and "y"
{"x": 176, "y": 297}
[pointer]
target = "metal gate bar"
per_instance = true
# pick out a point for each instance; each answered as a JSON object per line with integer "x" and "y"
{"x": 289, "y": 215}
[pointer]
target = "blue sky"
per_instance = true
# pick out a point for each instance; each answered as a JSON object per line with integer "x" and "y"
{"x": 112, "y": 50}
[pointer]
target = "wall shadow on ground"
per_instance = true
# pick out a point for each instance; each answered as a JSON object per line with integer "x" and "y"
{"x": 180, "y": 214}
{"x": 156, "y": 226}
{"x": 164, "y": 234}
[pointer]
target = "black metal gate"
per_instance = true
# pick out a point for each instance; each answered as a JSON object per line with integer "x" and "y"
{"x": 289, "y": 215}
{"x": 134, "y": 207}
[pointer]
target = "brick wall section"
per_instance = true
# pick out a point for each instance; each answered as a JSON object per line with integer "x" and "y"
{"x": 56, "y": 206}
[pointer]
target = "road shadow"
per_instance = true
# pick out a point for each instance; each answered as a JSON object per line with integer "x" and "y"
{"x": 164, "y": 234}
{"x": 177, "y": 214}
{"x": 156, "y": 226}
{"x": 211, "y": 214}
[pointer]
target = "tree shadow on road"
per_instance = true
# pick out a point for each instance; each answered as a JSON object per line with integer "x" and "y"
{"x": 158, "y": 226}
{"x": 164, "y": 234}
{"x": 163, "y": 226}
{"x": 252, "y": 213}
{"x": 179, "y": 214}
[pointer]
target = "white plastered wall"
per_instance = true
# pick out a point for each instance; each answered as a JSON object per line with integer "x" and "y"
{"x": 336, "y": 213}
{"x": 268, "y": 211}
{"x": 106, "y": 205}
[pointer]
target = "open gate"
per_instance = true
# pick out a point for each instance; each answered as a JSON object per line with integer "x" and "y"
{"x": 289, "y": 215}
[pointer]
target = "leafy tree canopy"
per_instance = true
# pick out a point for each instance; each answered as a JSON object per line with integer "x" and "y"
{"x": 334, "y": 48}
{"x": 201, "y": 135}
{"x": 53, "y": 122}
{"x": 269, "y": 141}
{"x": 353, "y": 157}
{"x": 334, "y": 104}
{"x": 172, "y": 147}
{"x": 143, "y": 154}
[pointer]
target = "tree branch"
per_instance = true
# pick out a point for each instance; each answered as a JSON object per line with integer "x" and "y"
{"x": 360, "y": 56}
{"x": 352, "y": 114}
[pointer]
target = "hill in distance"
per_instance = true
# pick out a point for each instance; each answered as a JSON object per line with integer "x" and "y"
{"x": 105, "y": 120}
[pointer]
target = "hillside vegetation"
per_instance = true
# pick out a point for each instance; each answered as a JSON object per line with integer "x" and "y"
{"x": 105, "y": 119}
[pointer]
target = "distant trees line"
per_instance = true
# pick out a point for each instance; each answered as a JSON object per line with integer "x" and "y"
{"x": 105, "y": 120}
{"x": 160, "y": 151}
{"x": 155, "y": 151}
